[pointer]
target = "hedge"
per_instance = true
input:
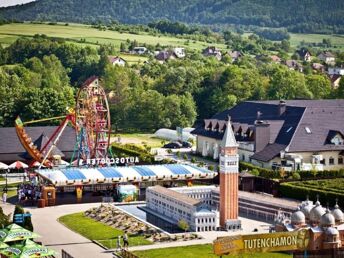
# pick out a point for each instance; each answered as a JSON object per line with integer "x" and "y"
{"x": 269, "y": 173}
{"x": 300, "y": 192}
{"x": 263, "y": 172}
{"x": 131, "y": 150}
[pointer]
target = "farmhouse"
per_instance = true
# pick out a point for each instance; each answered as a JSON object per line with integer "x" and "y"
{"x": 304, "y": 54}
{"x": 116, "y": 60}
{"x": 212, "y": 51}
{"x": 293, "y": 135}
{"x": 327, "y": 57}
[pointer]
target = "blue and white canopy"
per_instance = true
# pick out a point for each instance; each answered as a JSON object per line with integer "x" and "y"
{"x": 78, "y": 175}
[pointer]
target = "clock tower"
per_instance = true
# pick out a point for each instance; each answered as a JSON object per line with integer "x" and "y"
{"x": 229, "y": 170}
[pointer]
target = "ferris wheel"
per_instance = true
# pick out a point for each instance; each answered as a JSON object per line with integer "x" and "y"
{"x": 92, "y": 118}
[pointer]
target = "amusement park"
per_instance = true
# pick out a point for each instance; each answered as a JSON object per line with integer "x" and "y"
{"x": 75, "y": 163}
{"x": 89, "y": 170}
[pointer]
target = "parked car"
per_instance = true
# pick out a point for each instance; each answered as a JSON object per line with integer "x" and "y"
{"x": 173, "y": 145}
{"x": 186, "y": 145}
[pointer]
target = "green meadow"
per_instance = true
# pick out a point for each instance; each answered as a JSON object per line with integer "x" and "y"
{"x": 85, "y": 35}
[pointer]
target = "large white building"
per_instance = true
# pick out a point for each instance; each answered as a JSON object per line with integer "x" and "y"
{"x": 292, "y": 134}
{"x": 174, "y": 205}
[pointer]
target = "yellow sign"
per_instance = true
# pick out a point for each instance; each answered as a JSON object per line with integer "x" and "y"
{"x": 78, "y": 193}
{"x": 279, "y": 241}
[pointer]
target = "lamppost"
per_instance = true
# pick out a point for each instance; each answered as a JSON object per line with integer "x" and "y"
{"x": 7, "y": 171}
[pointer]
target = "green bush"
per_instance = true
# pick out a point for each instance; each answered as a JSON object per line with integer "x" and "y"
{"x": 193, "y": 160}
{"x": 211, "y": 167}
{"x": 300, "y": 190}
{"x": 27, "y": 220}
{"x": 132, "y": 150}
{"x": 296, "y": 176}
{"x": 185, "y": 157}
{"x": 4, "y": 219}
{"x": 263, "y": 172}
{"x": 255, "y": 172}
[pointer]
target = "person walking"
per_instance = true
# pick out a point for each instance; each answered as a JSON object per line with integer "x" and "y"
{"x": 4, "y": 197}
{"x": 125, "y": 240}
{"x": 119, "y": 246}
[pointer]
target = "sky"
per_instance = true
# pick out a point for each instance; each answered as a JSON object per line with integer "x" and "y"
{"x": 4, "y": 3}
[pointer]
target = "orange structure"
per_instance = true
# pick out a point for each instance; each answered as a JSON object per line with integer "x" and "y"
{"x": 229, "y": 171}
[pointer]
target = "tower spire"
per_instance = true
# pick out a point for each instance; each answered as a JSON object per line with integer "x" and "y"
{"x": 228, "y": 139}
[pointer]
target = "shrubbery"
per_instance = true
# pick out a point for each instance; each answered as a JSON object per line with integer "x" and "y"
{"x": 269, "y": 173}
{"x": 132, "y": 150}
{"x": 300, "y": 192}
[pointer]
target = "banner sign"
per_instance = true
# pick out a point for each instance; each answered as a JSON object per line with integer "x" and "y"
{"x": 110, "y": 161}
{"x": 257, "y": 243}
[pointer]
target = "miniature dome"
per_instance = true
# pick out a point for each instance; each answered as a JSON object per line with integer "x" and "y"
{"x": 298, "y": 217}
{"x": 327, "y": 219}
{"x": 338, "y": 214}
{"x": 306, "y": 209}
{"x": 332, "y": 231}
{"x": 316, "y": 212}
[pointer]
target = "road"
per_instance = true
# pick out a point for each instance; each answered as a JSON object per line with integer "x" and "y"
{"x": 58, "y": 237}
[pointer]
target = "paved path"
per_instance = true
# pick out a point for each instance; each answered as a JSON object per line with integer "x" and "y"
{"x": 208, "y": 237}
{"x": 58, "y": 237}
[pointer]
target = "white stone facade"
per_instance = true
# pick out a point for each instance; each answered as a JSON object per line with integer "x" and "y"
{"x": 329, "y": 160}
{"x": 199, "y": 216}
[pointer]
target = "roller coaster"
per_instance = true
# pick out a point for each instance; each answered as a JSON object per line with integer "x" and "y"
{"x": 91, "y": 120}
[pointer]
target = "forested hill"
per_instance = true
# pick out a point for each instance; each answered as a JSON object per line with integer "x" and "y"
{"x": 296, "y": 15}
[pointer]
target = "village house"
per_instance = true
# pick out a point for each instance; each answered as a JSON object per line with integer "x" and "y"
{"x": 327, "y": 57}
{"x": 276, "y": 59}
{"x": 294, "y": 65}
{"x": 293, "y": 135}
{"x": 116, "y": 60}
{"x": 318, "y": 67}
{"x": 139, "y": 50}
{"x": 304, "y": 54}
{"x": 179, "y": 52}
{"x": 235, "y": 55}
{"x": 335, "y": 79}
{"x": 212, "y": 51}
{"x": 165, "y": 55}
{"x": 336, "y": 70}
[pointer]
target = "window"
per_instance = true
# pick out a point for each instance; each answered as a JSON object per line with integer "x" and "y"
{"x": 289, "y": 129}
{"x": 340, "y": 160}
{"x": 331, "y": 161}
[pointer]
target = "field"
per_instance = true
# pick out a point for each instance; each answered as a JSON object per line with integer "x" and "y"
{"x": 198, "y": 251}
{"x": 138, "y": 139}
{"x": 93, "y": 37}
{"x": 98, "y": 231}
{"x": 337, "y": 40}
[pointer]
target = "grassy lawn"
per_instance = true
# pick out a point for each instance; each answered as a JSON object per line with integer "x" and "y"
{"x": 93, "y": 37}
{"x": 133, "y": 59}
{"x": 198, "y": 251}
{"x": 140, "y": 139}
{"x": 95, "y": 230}
{"x": 296, "y": 38}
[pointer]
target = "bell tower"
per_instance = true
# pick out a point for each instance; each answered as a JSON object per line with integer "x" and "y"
{"x": 229, "y": 171}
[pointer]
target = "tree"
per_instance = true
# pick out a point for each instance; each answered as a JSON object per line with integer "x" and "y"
{"x": 4, "y": 219}
{"x": 319, "y": 85}
{"x": 183, "y": 225}
{"x": 27, "y": 220}
{"x": 340, "y": 90}
{"x": 287, "y": 84}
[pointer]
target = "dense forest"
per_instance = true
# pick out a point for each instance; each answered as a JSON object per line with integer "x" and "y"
{"x": 297, "y": 16}
{"x": 39, "y": 77}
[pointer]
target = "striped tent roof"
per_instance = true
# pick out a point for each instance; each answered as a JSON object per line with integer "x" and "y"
{"x": 77, "y": 175}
